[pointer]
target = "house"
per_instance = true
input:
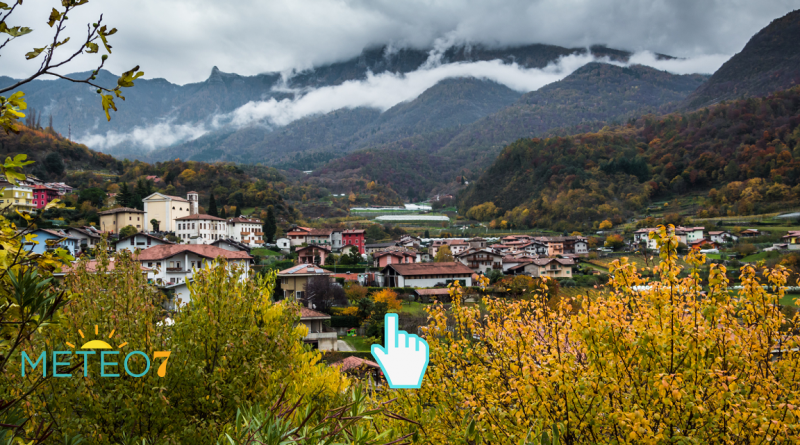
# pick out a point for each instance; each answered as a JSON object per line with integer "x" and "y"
{"x": 313, "y": 254}
{"x": 477, "y": 243}
{"x": 409, "y": 241}
{"x": 361, "y": 368}
{"x": 63, "y": 189}
{"x": 510, "y": 261}
{"x": 776, "y": 247}
{"x": 43, "y": 195}
{"x": 166, "y": 209}
{"x": 112, "y": 221}
{"x": 50, "y": 239}
{"x": 326, "y": 237}
{"x": 200, "y": 228}
{"x": 229, "y": 244}
{"x": 378, "y": 247}
{"x": 704, "y": 244}
{"x": 564, "y": 245}
{"x": 552, "y": 267}
{"x": 348, "y": 250}
{"x": 533, "y": 248}
{"x": 155, "y": 179}
{"x": 686, "y": 235}
{"x": 426, "y": 274}
{"x": 319, "y": 336}
{"x": 528, "y": 268}
{"x": 508, "y": 239}
{"x": 386, "y": 257}
{"x": 438, "y": 293}
{"x": 456, "y": 246}
{"x": 285, "y": 244}
{"x": 140, "y": 241}
{"x": 481, "y": 260}
{"x": 642, "y": 235}
{"x": 354, "y": 237}
{"x": 246, "y": 231}
{"x": 175, "y": 263}
{"x": 88, "y": 237}
{"x": 749, "y": 233}
{"x": 722, "y": 236}
{"x": 294, "y": 279}
{"x": 792, "y": 239}
{"x": 92, "y": 266}
{"x": 17, "y": 197}
{"x": 297, "y": 235}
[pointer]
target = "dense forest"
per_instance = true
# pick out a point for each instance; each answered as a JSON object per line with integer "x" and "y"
{"x": 744, "y": 155}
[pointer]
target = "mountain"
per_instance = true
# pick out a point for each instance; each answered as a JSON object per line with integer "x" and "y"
{"x": 74, "y": 107}
{"x": 769, "y": 62}
{"x": 588, "y": 98}
{"x": 745, "y": 153}
{"x": 450, "y": 103}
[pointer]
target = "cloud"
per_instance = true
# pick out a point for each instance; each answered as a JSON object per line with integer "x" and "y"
{"x": 706, "y": 64}
{"x": 181, "y": 40}
{"x": 381, "y": 91}
{"x": 151, "y": 137}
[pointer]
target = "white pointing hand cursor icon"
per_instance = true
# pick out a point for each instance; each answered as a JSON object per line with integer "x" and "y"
{"x": 405, "y": 357}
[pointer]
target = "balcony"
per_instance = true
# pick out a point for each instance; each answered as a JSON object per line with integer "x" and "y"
{"x": 321, "y": 336}
{"x": 175, "y": 269}
{"x": 245, "y": 233}
{"x": 259, "y": 241}
{"x": 259, "y": 233}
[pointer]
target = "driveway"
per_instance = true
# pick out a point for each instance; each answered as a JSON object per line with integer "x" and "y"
{"x": 342, "y": 345}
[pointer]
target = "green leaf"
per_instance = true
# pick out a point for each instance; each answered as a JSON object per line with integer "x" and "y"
{"x": 54, "y": 17}
{"x": 92, "y": 48}
{"x": 34, "y": 54}
{"x": 127, "y": 78}
{"x": 108, "y": 102}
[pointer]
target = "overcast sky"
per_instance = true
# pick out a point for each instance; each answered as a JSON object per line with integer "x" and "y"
{"x": 181, "y": 40}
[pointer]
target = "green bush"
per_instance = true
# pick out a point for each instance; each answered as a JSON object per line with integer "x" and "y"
{"x": 344, "y": 321}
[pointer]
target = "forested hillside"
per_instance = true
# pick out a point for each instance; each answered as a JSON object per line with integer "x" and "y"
{"x": 303, "y": 143}
{"x": 744, "y": 154}
{"x": 585, "y": 100}
{"x": 769, "y": 62}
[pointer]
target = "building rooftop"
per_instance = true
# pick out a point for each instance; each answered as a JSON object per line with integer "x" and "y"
{"x": 305, "y": 269}
{"x": 121, "y": 210}
{"x": 311, "y": 314}
{"x": 198, "y": 217}
{"x": 207, "y": 251}
{"x": 431, "y": 269}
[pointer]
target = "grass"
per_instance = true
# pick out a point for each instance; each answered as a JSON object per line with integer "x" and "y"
{"x": 358, "y": 343}
{"x": 413, "y": 308}
{"x": 761, "y": 256}
{"x": 638, "y": 260}
{"x": 265, "y": 252}
{"x": 714, "y": 256}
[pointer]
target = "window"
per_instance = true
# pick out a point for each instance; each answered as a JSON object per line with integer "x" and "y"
{"x": 130, "y": 218}
{"x": 178, "y": 264}
{"x": 171, "y": 264}
{"x": 285, "y": 281}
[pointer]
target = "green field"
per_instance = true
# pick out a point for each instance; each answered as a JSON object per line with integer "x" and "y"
{"x": 413, "y": 308}
{"x": 265, "y": 252}
{"x": 358, "y": 343}
{"x": 761, "y": 256}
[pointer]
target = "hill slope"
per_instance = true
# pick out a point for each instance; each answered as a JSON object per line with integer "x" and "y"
{"x": 748, "y": 149}
{"x": 769, "y": 62}
{"x": 587, "y": 98}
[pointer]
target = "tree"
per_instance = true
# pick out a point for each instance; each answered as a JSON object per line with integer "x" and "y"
{"x": 375, "y": 232}
{"x": 12, "y": 105}
{"x": 427, "y": 234}
{"x": 155, "y": 223}
{"x": 128, "y": 231}
{"x": 355, "y": 292}
{"x": 389, "y": 297}
{"x": 605, "y": 225}
{"x": 323, "y": 294}
{"x": 94, "y": 195}
{"x": 212, "y": 206}
{"x": 53, "y": 164}
{"x": 444, "y": 255}
{"x": 222, "y": 214}
{"x": 614, "y": 241}
{"x": 124, "y": 197}
{"x": 270, "y": 225}
{"x": 590, "y": 368}
{"x": 215, "y": 343}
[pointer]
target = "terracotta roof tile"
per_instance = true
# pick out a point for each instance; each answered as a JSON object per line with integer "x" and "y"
{"x": 199, "y": 216}
{"x": 431, "y": 269}
{"x": 305, "y": 269}
{"x": 169, "y": 250}
{"x": 120, "y": 210}
{"x": 311, "y": 313}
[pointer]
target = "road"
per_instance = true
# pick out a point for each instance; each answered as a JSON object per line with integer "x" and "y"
{"x": 343, "y": 346}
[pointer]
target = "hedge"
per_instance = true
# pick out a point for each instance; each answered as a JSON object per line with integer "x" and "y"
{"x": 334, "y": 356}
{"x": 344, "y": 321}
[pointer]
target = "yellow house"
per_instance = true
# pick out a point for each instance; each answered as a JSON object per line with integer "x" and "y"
{"x": 165, "y": 209}
{"x": 112, "y": 221}
{"x": 294, "y": 279}
{"x": 17, "y": 197}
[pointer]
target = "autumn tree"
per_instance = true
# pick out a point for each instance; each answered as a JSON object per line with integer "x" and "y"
{"x": 605, "y": 225}
{"x": 614, "y": 241}
{"x": 388, "y": 297}
{"x": 444, "y": 255}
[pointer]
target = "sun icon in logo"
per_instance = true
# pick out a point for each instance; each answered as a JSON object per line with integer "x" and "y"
{"x": 96, "y": 344}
